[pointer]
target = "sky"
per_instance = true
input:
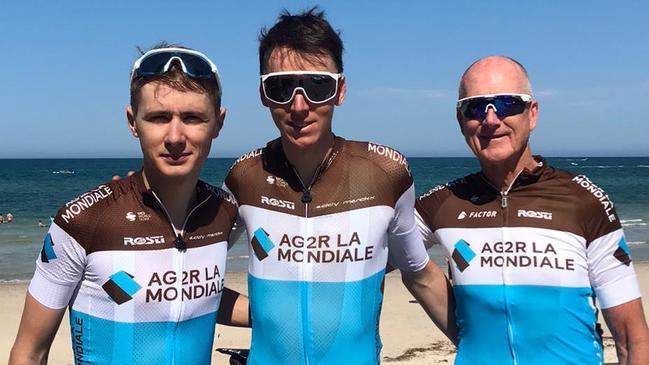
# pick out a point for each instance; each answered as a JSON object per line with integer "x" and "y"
{"x": 64, "y": 71}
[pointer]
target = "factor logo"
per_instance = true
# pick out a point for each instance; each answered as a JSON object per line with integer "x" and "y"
{"x": 462, "y": 215}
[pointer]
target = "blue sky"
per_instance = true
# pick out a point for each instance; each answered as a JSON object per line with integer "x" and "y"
{"x": 65, "y": 67}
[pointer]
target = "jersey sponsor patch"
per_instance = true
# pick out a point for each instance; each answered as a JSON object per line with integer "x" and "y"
{"x": 47, "y": 253}
{"x": 121, "y": 287}
{"x": 389, "y": 153}
{"x": 261, "y": 244}
{"x": 623, "y": 254}
{"x": 85, "y": 201}
{"x": 599, "y": 194}
{"x": 462, "y": 254}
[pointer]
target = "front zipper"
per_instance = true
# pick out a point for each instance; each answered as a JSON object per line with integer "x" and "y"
{"x": 179, "y": 257}
{"x": 504, "y": 205}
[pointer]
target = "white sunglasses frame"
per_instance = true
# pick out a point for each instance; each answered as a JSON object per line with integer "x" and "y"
{"x": 215, "y": 70}
{"x": 335, "y": 76}
{"x": 525, "y": 97}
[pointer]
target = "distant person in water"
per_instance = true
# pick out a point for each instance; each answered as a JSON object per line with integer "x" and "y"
{"x": 1, "y": 219}
{"x": 10, "y": 217}
{"x": 40, "y": 224}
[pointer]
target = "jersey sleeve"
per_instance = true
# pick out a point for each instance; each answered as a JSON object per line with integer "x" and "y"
{"x": 405, "y": 246}
{"x": 611, "y": 272}
{"x": 610, "y": 269}
{"x": 59, "y": 269}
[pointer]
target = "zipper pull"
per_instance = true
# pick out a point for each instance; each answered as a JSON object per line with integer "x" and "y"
{"x": 180, "y": 243}
{"x": 306, "y": 196}
{"x": 503, "y": 201}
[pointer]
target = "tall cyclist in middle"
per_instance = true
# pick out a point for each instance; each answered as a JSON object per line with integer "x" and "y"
{"x": 323, "y": 214}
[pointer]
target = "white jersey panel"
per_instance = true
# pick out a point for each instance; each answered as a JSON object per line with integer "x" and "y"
{"x": 304, "y": 249}
{"x": 516, "y": 256}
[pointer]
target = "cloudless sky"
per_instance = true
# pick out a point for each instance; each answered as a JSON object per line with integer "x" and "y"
{"x": 64, "y": 68}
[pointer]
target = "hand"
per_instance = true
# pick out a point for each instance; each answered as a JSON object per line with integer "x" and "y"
{"x": 118, "y": 178}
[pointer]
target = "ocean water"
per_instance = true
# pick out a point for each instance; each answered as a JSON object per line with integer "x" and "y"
{"x": 35, "y": 189}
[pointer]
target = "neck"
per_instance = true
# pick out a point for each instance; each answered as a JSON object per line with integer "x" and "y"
{"x": 177, "y": 195}
{"x": 502, "y": 174}
{"x": 306, "y": 160}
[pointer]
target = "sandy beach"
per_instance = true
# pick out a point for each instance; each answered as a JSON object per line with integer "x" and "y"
{"x": 409, "y": 337}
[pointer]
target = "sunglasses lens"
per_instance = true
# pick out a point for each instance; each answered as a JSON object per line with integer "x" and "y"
{"x": 503, "y": 105}
{"x": 279, "y": 88}
{"x": 196, "y": 66}
{"x": 318, "y": 88}
{"x": 153, "y": 64}
{"x": 508, "y": 105}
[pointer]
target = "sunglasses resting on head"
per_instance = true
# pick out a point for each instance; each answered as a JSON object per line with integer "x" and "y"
{"x": 158, "y": 61}
{"x": 504, "y": 105}
{"x": 317, "y": 86}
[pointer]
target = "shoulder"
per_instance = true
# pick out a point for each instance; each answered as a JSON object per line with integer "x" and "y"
{"x": 219, "y": 195}
{"x": 437, "y": 195}
{"x": 378, "y": 156}
{"x": 596, "y": 204}
{"x": 80, "y": 216}
{"x": 90, "y": 204}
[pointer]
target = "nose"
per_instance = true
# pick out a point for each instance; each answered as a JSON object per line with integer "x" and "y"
{"x": 175, "y": 132}
{"x": 491, "y": 118}
{"x": 299, "y": 103}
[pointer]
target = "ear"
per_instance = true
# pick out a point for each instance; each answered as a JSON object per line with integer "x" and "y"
{"x": 264, "y": 102}
{"x": 460, "y": 121}
{"x": 130, "y": 117}
{"x": 533, "y": 112}
{"x": 220, "y": 118}
{"x": 342, "y": 91}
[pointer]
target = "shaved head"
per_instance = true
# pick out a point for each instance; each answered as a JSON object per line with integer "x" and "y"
{"x": 494, "y": 70}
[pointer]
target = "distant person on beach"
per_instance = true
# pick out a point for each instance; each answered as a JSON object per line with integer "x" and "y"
{"x": 531, "y": 248}
{"x": 141, "y": 261}
{"x": 322, "y": 213}
{"x": 41, "y": 224}
{"x": 2, "y": 219}
{"x": 10, "y": 217}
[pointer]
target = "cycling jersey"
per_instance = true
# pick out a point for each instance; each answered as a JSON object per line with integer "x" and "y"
{"x": 318, "y": 252}
{"x": 527, "y": 265}
{"x": 139, "y": 291}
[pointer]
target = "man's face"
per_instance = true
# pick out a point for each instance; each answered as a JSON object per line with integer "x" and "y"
{"x": 300, "y": 122}
{"x": 492, "y": 139}
{"x": 175, "y": 129}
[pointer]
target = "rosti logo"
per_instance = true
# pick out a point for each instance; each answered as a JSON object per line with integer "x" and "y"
{"x": 278, "y": 202}
{"x": 138, "y": 241}
{"x": 85, "y": 201}
{"x": 534, "y": 214}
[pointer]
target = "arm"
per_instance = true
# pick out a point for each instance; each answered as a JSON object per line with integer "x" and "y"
{"x": 37, "y": 329}
{"x": 629, "y": 329}
{"x": 234, "y": 309}
{"x": 433, "y": 291}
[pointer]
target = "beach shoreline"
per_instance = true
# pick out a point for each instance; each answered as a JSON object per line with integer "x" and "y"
{"x": 409, "y": 336}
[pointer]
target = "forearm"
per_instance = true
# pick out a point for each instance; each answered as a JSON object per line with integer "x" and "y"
{"x": 26, "y": 355}
{"x": 234, "y": 309}
{"x": 629, "y": 329}
{"x": 434, "y": 293}
{"x": 633, "y": 353}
